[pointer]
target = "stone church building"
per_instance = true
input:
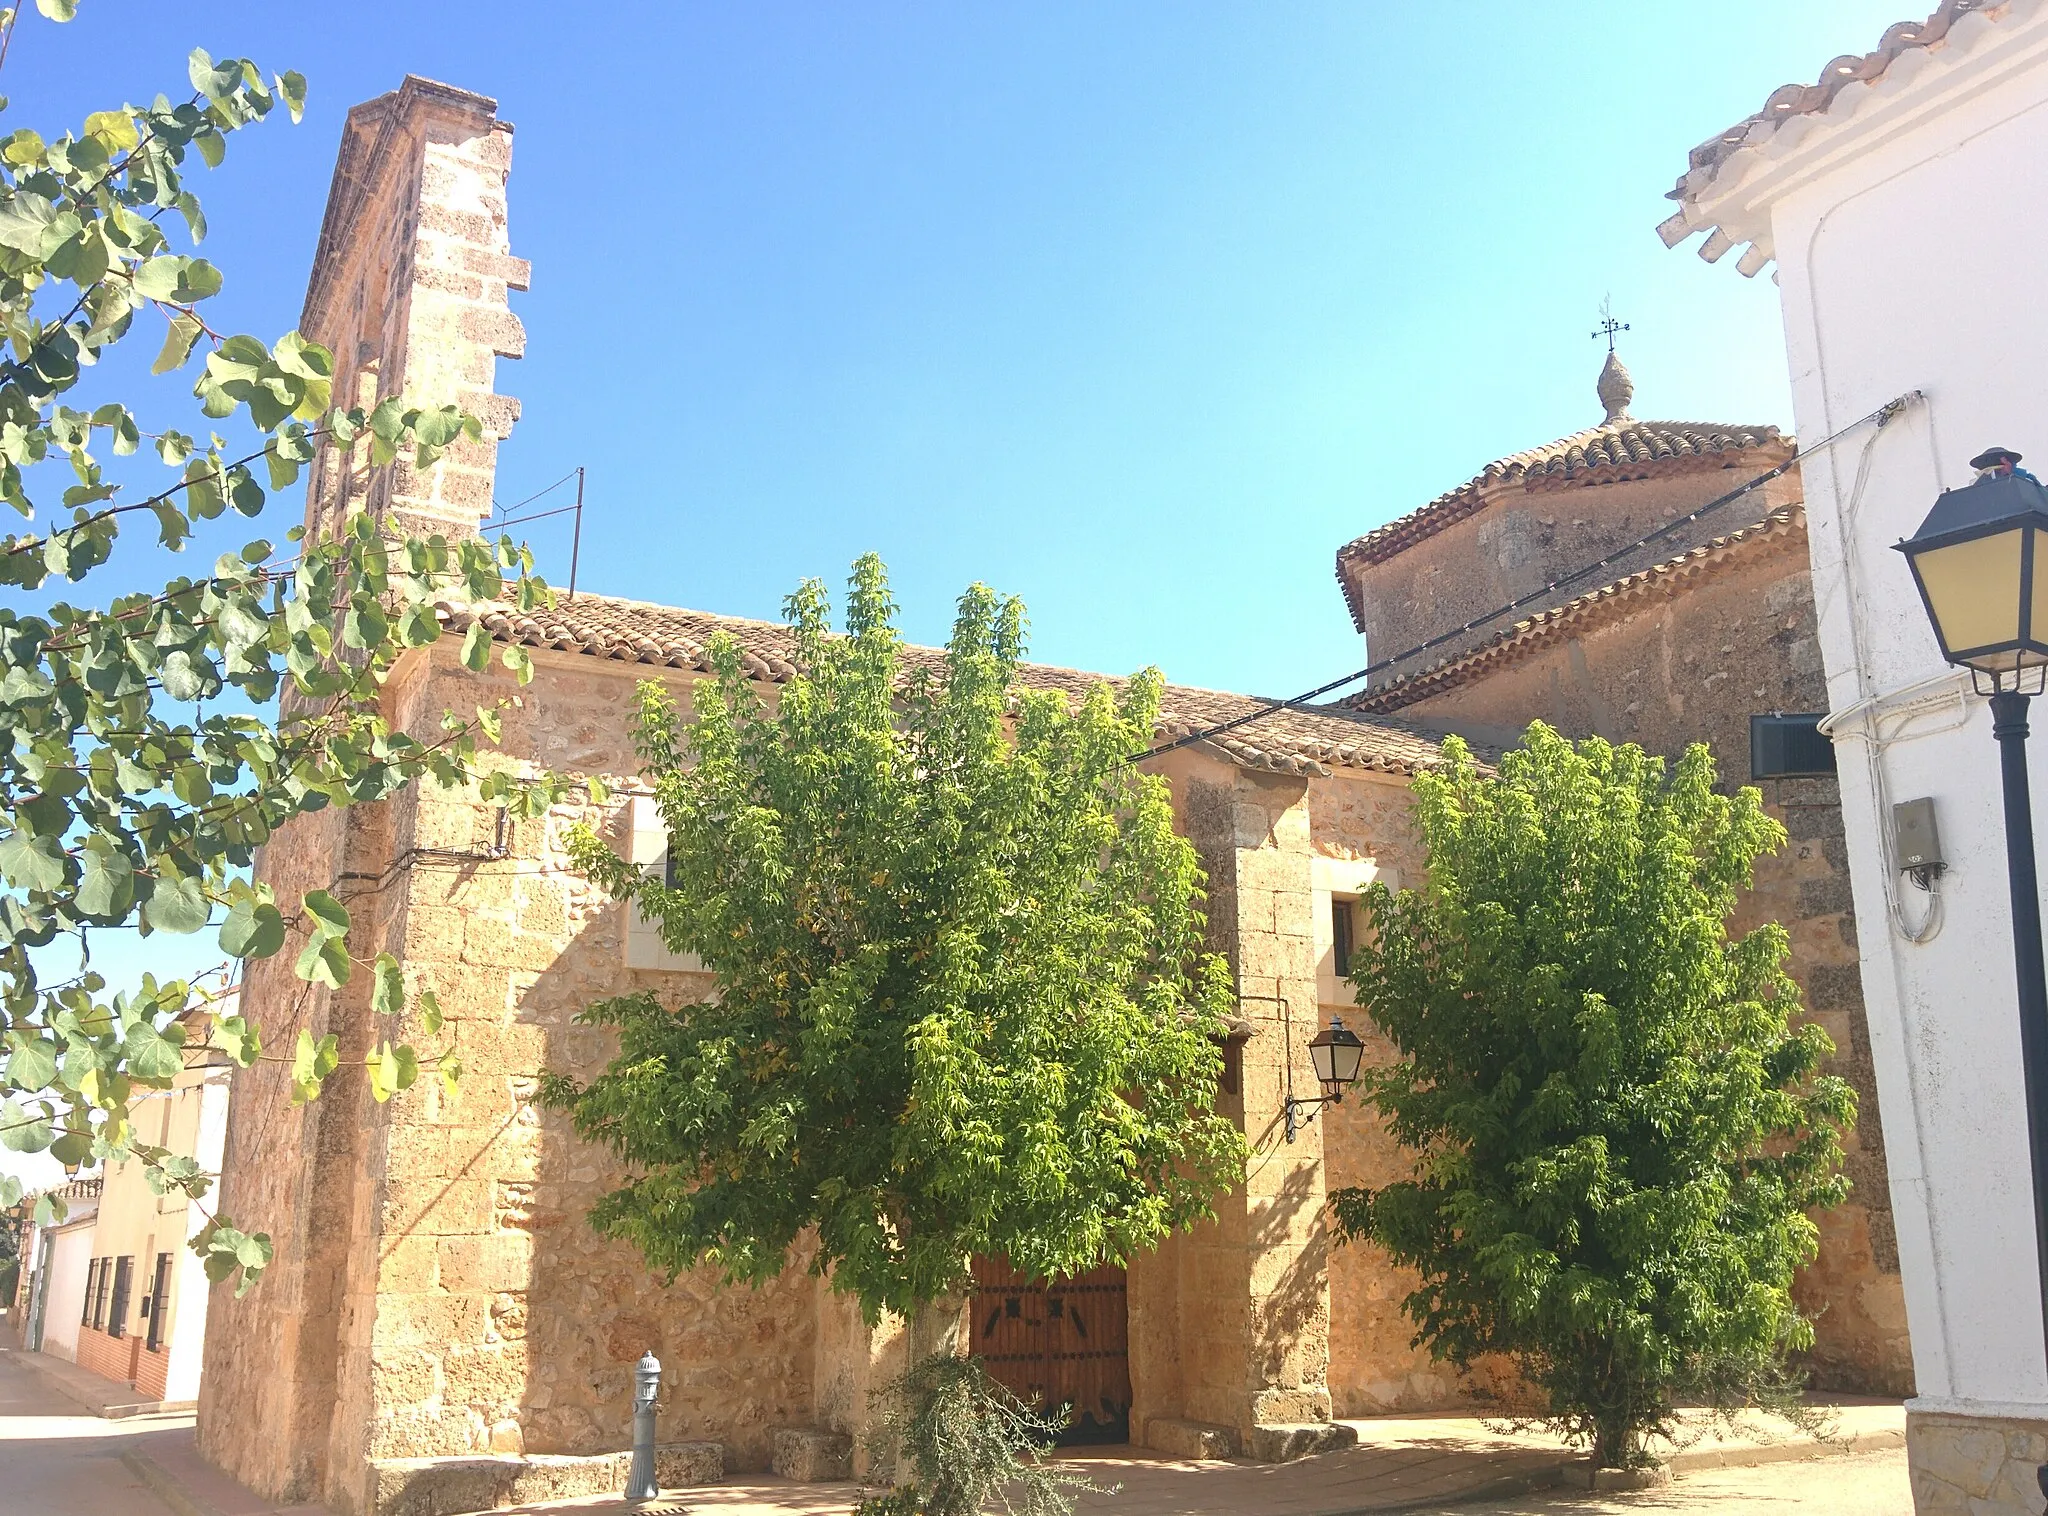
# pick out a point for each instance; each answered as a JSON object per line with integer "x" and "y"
{"x": 442, "y": 1331}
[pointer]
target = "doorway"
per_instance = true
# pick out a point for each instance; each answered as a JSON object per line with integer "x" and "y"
{"x": 1058, "y": 1343}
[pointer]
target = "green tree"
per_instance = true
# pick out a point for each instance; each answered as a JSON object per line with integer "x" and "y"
{"x": 154, "y": 741}
{"x": 1619, "y": 1135}
{"x": 961, "y": 1006}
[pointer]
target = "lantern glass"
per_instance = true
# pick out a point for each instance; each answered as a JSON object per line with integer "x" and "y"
{"x": 1978, "y": 562}
{"x": 1972, "y": 590}
{"x": 1336, "y": 1054}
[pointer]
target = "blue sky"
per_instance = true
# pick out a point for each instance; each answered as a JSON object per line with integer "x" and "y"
{"x": 1138, "y": 310}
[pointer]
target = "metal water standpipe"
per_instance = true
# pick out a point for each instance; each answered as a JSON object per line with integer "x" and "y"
{"x": 640, "y": 1480}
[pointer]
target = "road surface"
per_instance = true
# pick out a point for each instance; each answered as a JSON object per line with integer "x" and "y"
{"x": 57, "y": 1460}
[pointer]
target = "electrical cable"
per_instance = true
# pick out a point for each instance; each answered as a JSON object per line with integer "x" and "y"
{"x": 496, "y": 508}
{"x": 1879, "y": 416}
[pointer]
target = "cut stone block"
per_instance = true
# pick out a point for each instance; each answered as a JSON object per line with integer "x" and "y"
{"x": 1284, "y": 1444}
{"x": 679, "y": 1464}
{"x": 812, "y": 1456}
{"x": 1579, "y": 1474}
{"x": 452, "y": 1486}
{"x": 1189, "y": 1439}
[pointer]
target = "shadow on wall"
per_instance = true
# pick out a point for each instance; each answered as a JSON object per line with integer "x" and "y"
{"x": 539, "y": 1319}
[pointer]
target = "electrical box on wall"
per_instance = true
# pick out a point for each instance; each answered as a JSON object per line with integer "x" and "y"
{"x": 1916, "y": 841}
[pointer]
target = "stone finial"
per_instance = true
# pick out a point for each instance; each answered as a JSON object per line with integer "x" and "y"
{"x": 1616, "y": 389}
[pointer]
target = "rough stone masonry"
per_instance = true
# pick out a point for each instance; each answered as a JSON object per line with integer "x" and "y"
{"x": 442, "y": 1331}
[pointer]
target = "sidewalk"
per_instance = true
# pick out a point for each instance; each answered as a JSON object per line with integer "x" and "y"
{"x": 101, "y": 1396}
{"x": 1400, "y": 1463}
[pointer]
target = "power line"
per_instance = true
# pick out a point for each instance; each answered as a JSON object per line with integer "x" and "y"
{"x": 496, "y": 508}
{"x": 1879, "y": 417}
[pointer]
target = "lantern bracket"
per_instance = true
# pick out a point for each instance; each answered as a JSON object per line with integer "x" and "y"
{"x": 1295, "y": 1105}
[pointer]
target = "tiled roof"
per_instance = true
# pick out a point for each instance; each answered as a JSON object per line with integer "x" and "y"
{"x": 1621, "y": 449}
{"x": 1310, "y": 741}
{"x": 1790, "y": 100}
{"x": 1733, "y": 180}
{"x": 1785, "y": 528}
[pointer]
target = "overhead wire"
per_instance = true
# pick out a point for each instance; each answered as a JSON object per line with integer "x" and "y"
{"x": 1273, "y": 707}
{"x": 549, "y": 490}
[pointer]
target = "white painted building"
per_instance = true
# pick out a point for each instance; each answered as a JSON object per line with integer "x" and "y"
{"x": 1903, "y": 202}
{"x": 55, "y": 1258}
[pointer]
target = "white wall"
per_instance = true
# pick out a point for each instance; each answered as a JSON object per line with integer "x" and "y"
{"x": 1909, "y": 259}
{"x": 70, "y": 1256}
{"x": 188, "y": 1275}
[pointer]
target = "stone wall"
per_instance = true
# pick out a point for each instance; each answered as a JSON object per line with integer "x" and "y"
{"x": 464, "y": 1305}
{"x": 1229, "y": 1323}
{"x": 410, "y": 292}
{"x": 1692, "y": 661}
{"x": 266, "y": 1398}
{"x": 502, "y": 1321}
{"x": 1975, "y": 1465}
{"x": 1525, "y": 539}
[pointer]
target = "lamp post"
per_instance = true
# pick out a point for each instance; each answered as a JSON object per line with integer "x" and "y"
{"x": 1980, "y": 560}
{"x": 1335, "y": 1052}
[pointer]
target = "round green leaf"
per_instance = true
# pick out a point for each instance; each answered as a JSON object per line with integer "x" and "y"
{"x": 254, "y": 929}
{"x": 177, "y": 905}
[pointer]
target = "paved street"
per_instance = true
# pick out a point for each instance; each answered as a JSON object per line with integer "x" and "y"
{"x": 55, "y": 1460}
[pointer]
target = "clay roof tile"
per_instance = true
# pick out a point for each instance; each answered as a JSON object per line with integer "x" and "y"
{"x": 1313, "y": 740}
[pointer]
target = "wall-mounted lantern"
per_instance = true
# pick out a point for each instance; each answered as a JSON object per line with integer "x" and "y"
{"x": 1336, "y": 1053}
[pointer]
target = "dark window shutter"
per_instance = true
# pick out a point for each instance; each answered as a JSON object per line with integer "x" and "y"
{"x": 159, "y": 1291}
{"x": 1341, "y": 921}
{"x": 124, "y": 1281}
{"x": 1789, "y": 747}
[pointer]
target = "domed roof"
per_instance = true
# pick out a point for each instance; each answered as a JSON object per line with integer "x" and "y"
{"x": 1620, "y": 447}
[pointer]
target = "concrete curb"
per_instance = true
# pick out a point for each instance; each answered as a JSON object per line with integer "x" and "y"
{"x": 1551, "y": 1476}
{"x": 1790, "y": 1450}
{"x": 78, "y": 1386}
{"x": 165, "y": 1487}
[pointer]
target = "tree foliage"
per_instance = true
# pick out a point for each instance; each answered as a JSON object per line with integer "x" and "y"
{"x": 961, "y": 1005}
{"x": 155, "y": 740}
{"x": 1619, "y": 1134}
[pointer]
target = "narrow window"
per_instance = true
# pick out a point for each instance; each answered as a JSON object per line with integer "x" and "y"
{"x": 159, "y": 1295}
{"x": 99, "y": 1298}
{"x": 1340, "y": 932}
{"x": 92, "y": 1279}
{"x": 124, "y": 1280}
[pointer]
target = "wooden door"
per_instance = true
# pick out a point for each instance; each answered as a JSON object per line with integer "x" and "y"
{"x": 1063, "y": 1343}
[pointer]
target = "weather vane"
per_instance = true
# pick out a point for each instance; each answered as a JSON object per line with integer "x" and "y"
{"x": 1608, "y": 325}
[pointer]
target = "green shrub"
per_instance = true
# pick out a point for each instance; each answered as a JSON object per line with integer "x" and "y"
{"x": 965, "y": 1440}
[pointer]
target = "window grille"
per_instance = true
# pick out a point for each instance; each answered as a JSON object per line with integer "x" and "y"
{"x": 92, "y": 1279}
{"x": 124, "y": 1280}
{"x": 159, "y": 1294}
{"x": 99, "y": 1298}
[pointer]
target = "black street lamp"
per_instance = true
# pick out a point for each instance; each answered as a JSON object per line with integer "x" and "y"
{"x": 1981, "y": 562}
{"x": 1335, "y": 1053}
